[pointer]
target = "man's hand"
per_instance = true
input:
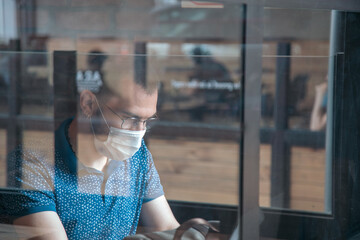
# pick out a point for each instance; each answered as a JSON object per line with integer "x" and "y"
{"x": 47, "y": 225}
{"x": 156, "y": 215}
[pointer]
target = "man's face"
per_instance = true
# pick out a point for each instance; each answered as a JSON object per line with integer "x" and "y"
{"x": 136, "y": 104}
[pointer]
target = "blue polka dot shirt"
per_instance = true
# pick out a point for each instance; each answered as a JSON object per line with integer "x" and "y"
{"x": 91, "y": 204}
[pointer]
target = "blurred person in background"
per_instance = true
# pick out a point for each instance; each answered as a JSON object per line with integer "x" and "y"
{"x": 318, "y": 114}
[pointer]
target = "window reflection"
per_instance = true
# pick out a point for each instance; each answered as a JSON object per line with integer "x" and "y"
{"x": 203, "y": 86}
{"x": 306, "y": 84}
{"x": 104, "y": 48}
{"x": 290, "y": 112}
{"x": 307, "y": 179}
{"x": 293, "y": 110}
{"x": 36, "y": 90}
{"x": 198, "y": 111}
{"x": 197, "y": 171}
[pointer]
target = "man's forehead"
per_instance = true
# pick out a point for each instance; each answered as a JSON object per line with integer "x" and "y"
{"x": 136, "y": 101}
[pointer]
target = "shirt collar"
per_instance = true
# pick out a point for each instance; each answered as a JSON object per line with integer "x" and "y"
{"x": 63, "y": 147}
{"x": 68, "y": 157}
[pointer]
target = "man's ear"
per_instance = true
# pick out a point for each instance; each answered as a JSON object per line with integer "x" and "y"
{"x": 88, "y": 103}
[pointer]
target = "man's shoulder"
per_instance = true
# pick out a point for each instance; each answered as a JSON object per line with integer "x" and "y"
{"x": 38, "y": 152}
{"x": 30, "y": 166}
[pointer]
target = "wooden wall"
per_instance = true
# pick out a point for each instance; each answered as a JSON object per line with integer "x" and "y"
{"x": 208, "y": 172}
{"x": 197, "y": 171}
{"x": 202, "y": 171}
{"x": 3, "y": 158}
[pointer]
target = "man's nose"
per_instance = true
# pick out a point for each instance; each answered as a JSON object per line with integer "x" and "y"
{"x": 138, "y": 127}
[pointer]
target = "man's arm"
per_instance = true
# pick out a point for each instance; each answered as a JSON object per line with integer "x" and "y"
{"x": 318, "y": 118}
{"x": 46, "y": 225}
{"x": 156, "y": 215}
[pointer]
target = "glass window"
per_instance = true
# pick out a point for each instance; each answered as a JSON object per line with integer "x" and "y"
{"x": 218, "y": 110}
{"x": 310, "y": 128}
{"x": 293, "y": 109}
{"x": 307, "y": 179}
{"x": 198, "y": 103}
{"x": 111, "y": 105}
{"x": 35, "y": 86}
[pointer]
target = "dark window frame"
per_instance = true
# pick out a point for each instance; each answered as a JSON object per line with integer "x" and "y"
{"x": 292, "y": 224}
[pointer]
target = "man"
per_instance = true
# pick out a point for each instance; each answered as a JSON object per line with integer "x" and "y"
{"x": 209, "y": 71}
{"x": 102, "y": 188}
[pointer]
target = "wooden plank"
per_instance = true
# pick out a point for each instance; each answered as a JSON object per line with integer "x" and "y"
{"x": 198, "y": 183}
{"x": 193, "y": 168}
{"x": 201, "y": 175}
{"x": 190, "y": 158}
{"x": 311, "y": 205}
{"x": 264, "y": 175}
{"x": 195, "y": 144}
{"x": 307, "y": 179}
{"x": 308, "y": 176}
{"x": 197, "y": 171}
{"x": 193, "y": 150}
{"x": 307, "y": 191}
{"x": 190, "y": 143}
{"x": 264, "y": 200}
{"x": 308, "y": 158}
{"x": 184, "y": 194}
{"x": 3, "y": 153}
{"x": 265, "y": 155}
{"x": 264, "y": 188}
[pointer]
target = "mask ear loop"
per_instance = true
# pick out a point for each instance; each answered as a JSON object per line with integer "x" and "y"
{"x": 101, "y": 114}
{"x": 92, "y": 128}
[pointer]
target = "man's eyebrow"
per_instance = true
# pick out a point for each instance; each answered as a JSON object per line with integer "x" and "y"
{"x": 129, "y": 114}
{"x": 136, "y": 116}
{"x": 121, "y": 112}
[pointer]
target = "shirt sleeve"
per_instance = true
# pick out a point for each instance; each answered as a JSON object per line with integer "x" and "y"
{"x": 153, "y": 187}
{"x": 31, "y": 184}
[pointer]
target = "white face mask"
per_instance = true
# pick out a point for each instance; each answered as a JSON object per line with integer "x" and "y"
{"x": 120, "y": 144}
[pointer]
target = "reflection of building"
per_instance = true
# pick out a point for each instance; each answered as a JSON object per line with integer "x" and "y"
{"x": 69, "y": 26}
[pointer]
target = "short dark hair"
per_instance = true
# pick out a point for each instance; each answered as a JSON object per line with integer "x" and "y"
{"x": 96, "y": 59}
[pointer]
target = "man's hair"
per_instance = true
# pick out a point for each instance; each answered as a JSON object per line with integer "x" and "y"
{"x": 96, "y": 57}
{"x": 127, "y": 70}
{"x": 106, "y": 92}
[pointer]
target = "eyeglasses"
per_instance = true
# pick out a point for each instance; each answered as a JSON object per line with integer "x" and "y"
{"x": 133, "y": 122}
